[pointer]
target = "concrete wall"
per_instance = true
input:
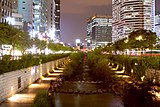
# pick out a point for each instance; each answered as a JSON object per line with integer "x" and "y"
{"x": 153, "y": 75}
{"x": 15, "y": 81}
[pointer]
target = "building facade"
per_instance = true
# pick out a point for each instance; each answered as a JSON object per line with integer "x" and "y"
{"x": 51, "y": 17}
{"x": 57, "y": 19}
{"x": 131, "y": 15}
{"x": 25, "y": 7}
{"x": 39, "y": 17}
{"x": 99, "y": 31}
{"x": 5, "y": 10}
{"x": 17, "y": 21}
{"x": 157, "y": 25}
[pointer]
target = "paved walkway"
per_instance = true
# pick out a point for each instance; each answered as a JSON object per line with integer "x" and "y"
{"x": 26, "y": 97}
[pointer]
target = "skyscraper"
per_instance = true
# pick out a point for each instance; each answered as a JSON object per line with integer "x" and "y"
{"x": 157, "y": 25}
{"x": 25, "y": 7}
{"x": 5, "y": 10}
{"x": 16, "y": 19}
{"x": 99, "y": 31}
{"x": 50, "y": 18}
{"x": 130, "y": 15}
{"x": 37, "y": 16}
{"x": 57, "y": 19}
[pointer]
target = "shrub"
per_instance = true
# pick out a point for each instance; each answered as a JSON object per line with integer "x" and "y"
{"x": 75, "y": 66}
{"x": 7, "y": 65}
{"x": 41, "y": 100}
{"x": 138, "y": 97}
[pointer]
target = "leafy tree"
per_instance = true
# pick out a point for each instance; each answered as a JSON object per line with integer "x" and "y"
{"x": 74, "y": 69}
{"x": 120, "y": 45}
{"x": 58, "y": 47}
{"x": 108, "y": 48}
{"x": 12, "y": 36}
{"x": 142, "y": 39}
{"x": 24, "y": 42}
{"x": 40, "y": 44}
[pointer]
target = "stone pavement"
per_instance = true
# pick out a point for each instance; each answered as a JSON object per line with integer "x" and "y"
{"x": 26, "y": 97}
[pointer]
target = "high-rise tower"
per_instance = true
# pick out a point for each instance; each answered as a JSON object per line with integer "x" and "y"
{"x": 130, "y": 15}
{"x": 99, "y": 31}
{"x": 5, "y": 10}
{"x": 50, "y": 18}
{"x": 57, "y": 19}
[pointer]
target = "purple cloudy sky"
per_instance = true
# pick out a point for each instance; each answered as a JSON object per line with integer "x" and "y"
{"x": 74, "y": 14}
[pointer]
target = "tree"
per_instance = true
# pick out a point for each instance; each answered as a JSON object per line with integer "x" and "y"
{"x": 58, "y": 47}
{"x": 24, "y": 42}
{"x": 109, "y": 48}
{"x": 142, "y": 39}
{"x": 40, "y": 44}
{"x": 10, "y": 36}
{"x": 120, "y": 45}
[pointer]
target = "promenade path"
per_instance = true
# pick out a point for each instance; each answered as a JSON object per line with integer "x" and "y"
{"x": 25, "y": 98}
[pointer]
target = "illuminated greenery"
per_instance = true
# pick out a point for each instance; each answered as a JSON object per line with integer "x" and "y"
{"x": 99, "y": 69}
{"x": 140, "y": 39}
{"x": 12, "y": 36}
{"x": 7, "y": 65}
{"x": 74, "y": 69}
{"x": 20, "y": 40}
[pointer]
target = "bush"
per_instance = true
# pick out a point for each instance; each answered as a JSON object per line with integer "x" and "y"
{"x": 75, "y": 67}
{"x": 138, "y": 97}
{"x": 7, "y": 65}
{"x": 41, "y": 100}
{"x": 99, "y": 69}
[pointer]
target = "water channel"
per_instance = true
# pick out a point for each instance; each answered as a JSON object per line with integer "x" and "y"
{"x": 94, "y": 100}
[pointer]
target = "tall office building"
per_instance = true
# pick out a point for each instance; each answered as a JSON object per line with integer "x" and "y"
{"x": 131, "y": 15}
{"x": 157, "y": 25}
{"x": 25, "y": 7}
{"x": 16, "y": 19}
{"x": 35, "y": 14}
{"x": 99, "y": 31}
{"x": 39, "y": 17}
{"x": 57, "y": 19}
{"x": 51, "y": 18}
{"x": 5, "y": 10}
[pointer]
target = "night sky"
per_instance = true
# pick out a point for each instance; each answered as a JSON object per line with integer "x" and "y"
{"x": 74, "y": 15}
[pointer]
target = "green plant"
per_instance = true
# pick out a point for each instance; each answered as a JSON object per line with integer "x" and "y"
{"x": 41, "y": 100}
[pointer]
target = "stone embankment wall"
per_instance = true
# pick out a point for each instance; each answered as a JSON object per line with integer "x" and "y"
{"x": 15, "y": 81}
{"x": 153, "y": 75}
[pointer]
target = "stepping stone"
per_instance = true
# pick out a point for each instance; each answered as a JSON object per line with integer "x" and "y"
{"x": 92, "y": 82}
{"x": 104, "y": 91}
{"x": 76, "y": 91}
{"x": 65, "y": 91}
{"x": 70, "y": 91}
{"x": 94, "y": 92}
{"x": 62, "y": 91}
{"x": 87, "y": 92}
{"x": 100, "y": 91}
{"x": 81, "y": 92}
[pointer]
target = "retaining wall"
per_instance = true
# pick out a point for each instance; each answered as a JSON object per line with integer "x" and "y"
{"x": 153, "y": 75}
{"x": 15, "y": 81}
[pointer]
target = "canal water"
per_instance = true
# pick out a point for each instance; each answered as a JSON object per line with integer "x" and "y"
{"x": 93, "y": 100}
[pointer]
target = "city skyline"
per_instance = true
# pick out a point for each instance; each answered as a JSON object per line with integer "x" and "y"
{"x": 74, "y": 18}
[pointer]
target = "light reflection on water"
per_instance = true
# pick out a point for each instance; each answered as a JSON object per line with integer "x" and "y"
{"x": 97, "y": 100}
